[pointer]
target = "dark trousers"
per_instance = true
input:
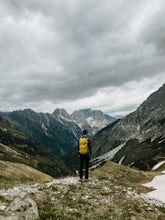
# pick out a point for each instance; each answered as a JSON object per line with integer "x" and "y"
{"x": 84, "y": 159}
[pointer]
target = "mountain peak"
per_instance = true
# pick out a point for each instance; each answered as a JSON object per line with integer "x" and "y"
{"x": 93, "y": 120}
{"x": 58, "y": 112}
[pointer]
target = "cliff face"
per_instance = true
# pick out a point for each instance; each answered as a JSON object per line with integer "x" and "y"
{"x": 141, "y": 134}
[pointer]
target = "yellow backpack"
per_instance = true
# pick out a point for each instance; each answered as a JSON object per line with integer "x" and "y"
{"x": 83, "y": 145}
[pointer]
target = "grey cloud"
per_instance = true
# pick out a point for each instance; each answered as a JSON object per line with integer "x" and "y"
{"x": 66, "y": 50}
{"x": 154, "y": 30}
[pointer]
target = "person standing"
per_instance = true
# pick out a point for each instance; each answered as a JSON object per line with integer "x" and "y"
{"x": 85, "y": 154}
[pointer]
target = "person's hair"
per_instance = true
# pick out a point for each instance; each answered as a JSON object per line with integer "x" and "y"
{"x": 85, "y": 131}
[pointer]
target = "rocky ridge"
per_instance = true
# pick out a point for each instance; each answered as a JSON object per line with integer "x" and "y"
{"x": 139, "y": 138}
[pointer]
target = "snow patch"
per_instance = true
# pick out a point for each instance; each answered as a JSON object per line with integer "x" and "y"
{"x": 107, "y": 156}
{"x": 158, "y": 184}
{"x": 158, "y": 165}
{"x": 90, "y": 119}
{"x": 44, "y": 129}
{"x": 2, "y": 207}
{"x": 138, "y": 127}
{"x": 161, "y": 141}
{"x": 74, "y": 133}
{"x": 121, "y": 160}
{"x": 66, "y": 119}
{"x": 47, "y": 120}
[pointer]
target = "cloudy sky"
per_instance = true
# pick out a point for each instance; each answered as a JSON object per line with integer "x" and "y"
{"x": 100, "y": 54}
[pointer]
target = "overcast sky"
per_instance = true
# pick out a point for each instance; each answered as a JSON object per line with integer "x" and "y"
{"x": 100, "y": 54}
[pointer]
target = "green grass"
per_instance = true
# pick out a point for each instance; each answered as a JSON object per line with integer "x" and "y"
{"x": 12, "y": 174}
{"x": 123, "y": 175}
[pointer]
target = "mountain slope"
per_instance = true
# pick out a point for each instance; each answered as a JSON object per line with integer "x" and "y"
{"x": 54, "y": 131}
{"x": 137, "y": 139}
{"x": 17, "y": 147}
{"x": 58, "y": 132}
{"x": 12, "y": 174}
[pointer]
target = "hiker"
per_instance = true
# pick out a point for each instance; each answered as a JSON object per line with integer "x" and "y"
{"x": 85, "y": 154}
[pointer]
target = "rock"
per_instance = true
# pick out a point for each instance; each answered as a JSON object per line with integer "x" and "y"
{"x": 19, "y": 205}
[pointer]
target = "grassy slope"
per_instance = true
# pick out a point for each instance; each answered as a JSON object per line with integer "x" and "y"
{"x": 123, "y": 175}
{"x": 13, "y": 174}
{"x": 113, "y": 192}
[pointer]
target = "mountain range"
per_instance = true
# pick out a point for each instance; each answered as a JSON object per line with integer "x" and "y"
{"x": 136, "y": 140}
{"x": 58, "y": 132}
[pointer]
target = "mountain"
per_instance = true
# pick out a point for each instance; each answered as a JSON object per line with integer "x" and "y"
{"x": 56, "y": 131}
{"x": 92, "y": 120}
{"x": 137, "y": 139}
{"x": 17, "y": 147}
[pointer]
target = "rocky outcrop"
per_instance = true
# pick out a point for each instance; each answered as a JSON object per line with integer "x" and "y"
{"x": 18, "y": 205}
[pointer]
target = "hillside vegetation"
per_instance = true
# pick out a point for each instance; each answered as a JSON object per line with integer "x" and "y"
{"x": 123, "y": 175}
{"x": 16, "y": 146}
{"x": 12, "y": 174}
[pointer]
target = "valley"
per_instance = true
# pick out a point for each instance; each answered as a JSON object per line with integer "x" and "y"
{"x": 38, "y": 163}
